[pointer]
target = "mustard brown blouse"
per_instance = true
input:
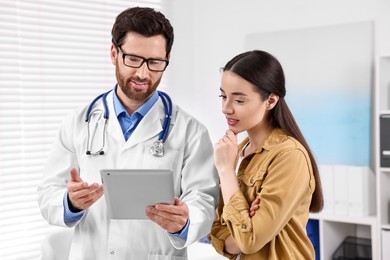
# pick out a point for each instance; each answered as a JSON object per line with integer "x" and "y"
{"x": 280, "y": 173}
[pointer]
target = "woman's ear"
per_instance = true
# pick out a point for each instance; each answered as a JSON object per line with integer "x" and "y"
{"x": 272, "y": 101}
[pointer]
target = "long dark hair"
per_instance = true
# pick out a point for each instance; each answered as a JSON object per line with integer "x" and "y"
{"x": 265, "y": 72}
{"x": 145, "y": 21}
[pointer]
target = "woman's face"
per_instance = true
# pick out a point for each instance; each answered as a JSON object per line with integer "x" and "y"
{"x": 242, "y": 105}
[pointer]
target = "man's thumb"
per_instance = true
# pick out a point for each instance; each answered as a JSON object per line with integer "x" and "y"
{"x": 74, "y": 175}
{"x": 178, "y": 201}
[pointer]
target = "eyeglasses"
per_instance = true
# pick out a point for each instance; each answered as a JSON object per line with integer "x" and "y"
{"x": 135, "y": 61}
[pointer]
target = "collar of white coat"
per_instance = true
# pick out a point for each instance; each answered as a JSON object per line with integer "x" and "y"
{"x": 146, "y": 129}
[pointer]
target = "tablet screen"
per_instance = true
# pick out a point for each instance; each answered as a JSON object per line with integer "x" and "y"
{"x": 129, "y": 191}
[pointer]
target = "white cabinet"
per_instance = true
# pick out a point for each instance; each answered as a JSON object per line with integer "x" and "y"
{"x": 334, "y": 229}
{"x": 385, "y": 244}
{"x": 382, "y": 150}
{"x": 349, "y": 210}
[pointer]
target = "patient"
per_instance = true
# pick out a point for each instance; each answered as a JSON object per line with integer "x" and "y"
{"x": 270, "y": 181}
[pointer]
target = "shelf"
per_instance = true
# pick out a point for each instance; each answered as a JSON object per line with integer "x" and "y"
{"x": 382, "y": 102}
{"x": 384, "y": 112}
{"x": 387, "y": 227}
{"x": 382, "y": 169}
{"x": 368, "y": 220}
{"x": 382, "y": 85}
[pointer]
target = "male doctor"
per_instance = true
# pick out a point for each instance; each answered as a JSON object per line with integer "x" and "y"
{"x": 71, "y": 192}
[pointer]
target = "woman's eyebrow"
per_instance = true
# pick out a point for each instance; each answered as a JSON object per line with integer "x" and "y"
{"x": 239, "y": 94}
{"x": 235, "y": 93}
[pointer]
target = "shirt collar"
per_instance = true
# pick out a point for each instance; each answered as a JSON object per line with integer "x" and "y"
{"x": 142, "y": 110}
{"x": 276, "y": 137}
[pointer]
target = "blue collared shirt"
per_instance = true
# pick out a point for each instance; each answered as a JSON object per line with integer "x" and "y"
{"x": 128, "y": 124}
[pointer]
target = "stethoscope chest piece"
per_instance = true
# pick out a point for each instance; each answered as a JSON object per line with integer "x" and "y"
{"x": 157, "y": 148}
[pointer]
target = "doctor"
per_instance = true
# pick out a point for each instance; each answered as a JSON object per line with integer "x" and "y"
{"x": 119, "y": 130}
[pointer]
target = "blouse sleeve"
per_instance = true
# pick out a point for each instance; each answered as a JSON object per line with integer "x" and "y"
{"x": 285, "y": 187}
{"x": 220, "y": 232}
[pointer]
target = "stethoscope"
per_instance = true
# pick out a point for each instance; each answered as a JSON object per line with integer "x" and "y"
{"x": 157, "y": 148}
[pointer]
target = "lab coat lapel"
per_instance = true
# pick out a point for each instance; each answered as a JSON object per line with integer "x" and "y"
{"x": 150, "y": 126}
{"x": 113, "y": 128}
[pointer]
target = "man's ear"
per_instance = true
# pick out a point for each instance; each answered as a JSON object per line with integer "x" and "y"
{"x": 113, "y": 53}
{"x": 272, "y": 101}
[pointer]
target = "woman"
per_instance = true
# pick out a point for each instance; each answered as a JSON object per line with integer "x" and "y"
{"x": 270, "y": 182}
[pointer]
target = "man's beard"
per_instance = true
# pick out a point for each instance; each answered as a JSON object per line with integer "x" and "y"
{"x": 137, "y": 94}
{"x": 134, "y": 94}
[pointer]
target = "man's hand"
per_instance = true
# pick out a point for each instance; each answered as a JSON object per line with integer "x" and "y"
{"x": 82, "y": 195}
{"x": 172, "y": 218}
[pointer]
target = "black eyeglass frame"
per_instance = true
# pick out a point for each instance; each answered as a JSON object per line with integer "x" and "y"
{"x": 166, "y": 61}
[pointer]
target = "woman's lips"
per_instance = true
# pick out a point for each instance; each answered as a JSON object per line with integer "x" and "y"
{"x": 231, "y": 122}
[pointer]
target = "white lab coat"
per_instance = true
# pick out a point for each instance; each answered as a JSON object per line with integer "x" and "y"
{"x": 188, "y": 153}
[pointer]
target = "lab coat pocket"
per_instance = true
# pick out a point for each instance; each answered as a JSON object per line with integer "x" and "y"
{"x": 172, "y": 159}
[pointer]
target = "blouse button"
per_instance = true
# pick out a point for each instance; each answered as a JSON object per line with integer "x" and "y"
{"x": 243, "y": 226}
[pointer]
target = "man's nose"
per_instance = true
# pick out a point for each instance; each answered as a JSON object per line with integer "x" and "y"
{"x": 143, "y": 71}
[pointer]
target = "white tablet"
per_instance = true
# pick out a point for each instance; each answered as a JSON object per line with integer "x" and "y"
{"x": 128, "y": 192}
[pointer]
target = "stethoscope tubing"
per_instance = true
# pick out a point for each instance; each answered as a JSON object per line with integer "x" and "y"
{"x": 168, "y": 115}
{"x": 167, "y": 102}
{"x": 104, "y": 101}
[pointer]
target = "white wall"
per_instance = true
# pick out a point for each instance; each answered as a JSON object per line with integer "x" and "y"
{"x": 210, "y": 32}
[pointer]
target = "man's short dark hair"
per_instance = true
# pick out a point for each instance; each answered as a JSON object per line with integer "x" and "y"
{"x": 145, "y": 21}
